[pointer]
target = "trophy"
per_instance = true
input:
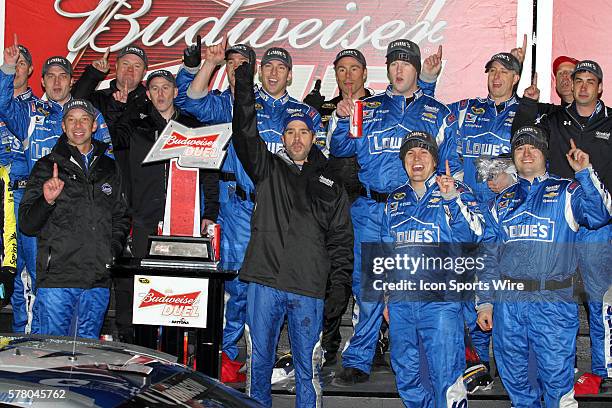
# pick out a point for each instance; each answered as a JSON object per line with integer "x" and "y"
{"x": 179, "y": 241}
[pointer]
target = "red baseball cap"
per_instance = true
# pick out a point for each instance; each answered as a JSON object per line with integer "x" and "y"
{"x": 560, "y": 60}
{"x": 587, "y": 384}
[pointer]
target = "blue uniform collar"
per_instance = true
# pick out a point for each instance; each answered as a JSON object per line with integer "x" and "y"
{"x": 270, "y": 100}
{"x": 25, "y": 96}
{"x": 87, "y": 157}
{"x": 417, "y": 94}
{"x": 430, "y": 184}
{"x": 400, "y": 99}
{"x": 526, "y": 183}
{"x": 56, "y": 106}
{"x": 513, "y": 100}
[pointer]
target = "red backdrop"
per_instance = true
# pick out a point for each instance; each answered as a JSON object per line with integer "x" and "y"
{"x": 469, "y": 30}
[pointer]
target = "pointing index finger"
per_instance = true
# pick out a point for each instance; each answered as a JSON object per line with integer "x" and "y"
{"x": 198, "y": 41}
{"x": 448, "y": 172}
{"x": 524, "y": 47}
{"x": 440, "y": 51}
{"x": 55, "y": 171}
{"x": 15, "y": 41}
{"x": 572, "y": 144}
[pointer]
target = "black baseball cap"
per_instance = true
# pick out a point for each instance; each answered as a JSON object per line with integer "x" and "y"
{"x": 277, "y": 54}
{"x": 507, "y": 60}
{"x": 353, "y": 53}
{"x": 242, "y": 49}
{"x": 404, "y": 50}
{"x": 26, "y": 54}
{"x": 135, "y": 50}
{"x": 161, "y": 73}
{"x": 589, "y": 66}
{"x": 420, "y": 139}
{"x": 79, "y": 104}
{"x": 531, "y": 135}
{"x": 57, "y": 61}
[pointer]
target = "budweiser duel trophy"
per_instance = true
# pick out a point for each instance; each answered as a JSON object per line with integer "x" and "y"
{"x": 178, "y": 288}
{"x": 180, "y": 242}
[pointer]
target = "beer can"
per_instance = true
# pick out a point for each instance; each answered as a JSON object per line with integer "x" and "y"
{"x": 214, "y": 233}
{"x": 106, "y": 337}
{"x": 356, "y": 118}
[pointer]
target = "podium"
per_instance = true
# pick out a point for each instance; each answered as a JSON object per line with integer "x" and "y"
{"x": 178, "y": 297}
{"x": 198, "y": 348}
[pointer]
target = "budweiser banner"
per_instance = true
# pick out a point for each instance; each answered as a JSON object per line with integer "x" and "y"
{"x": 170, "y": 301}
{"x": 313, "y": 31}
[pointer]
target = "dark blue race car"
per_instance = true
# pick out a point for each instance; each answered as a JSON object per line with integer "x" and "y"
{"x": 57, "y": 371}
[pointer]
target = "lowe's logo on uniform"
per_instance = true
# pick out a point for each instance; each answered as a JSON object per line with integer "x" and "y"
{"x": 419, "y": 232}
{"x": 528, "y": 227}
{"x": 274, "y": 147}
{"x": 485, "y": 144}
{"x": 382, "y": 143}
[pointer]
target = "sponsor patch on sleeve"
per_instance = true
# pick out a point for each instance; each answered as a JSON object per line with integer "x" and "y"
{"x": 573, "y": 186}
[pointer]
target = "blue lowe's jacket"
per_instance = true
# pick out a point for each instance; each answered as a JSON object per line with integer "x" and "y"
{"x": 483, "y": 131}
{"x": 386, "y": 120}
{"x": 432, "y": 218}
{"x": 532, "y": 227}
{"x": 37, "y": 123}
{"x": 16, "y": 157}
{"x": 416, "y": 226}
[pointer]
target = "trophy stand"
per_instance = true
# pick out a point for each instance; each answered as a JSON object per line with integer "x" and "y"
{"x": 178, "y": 288}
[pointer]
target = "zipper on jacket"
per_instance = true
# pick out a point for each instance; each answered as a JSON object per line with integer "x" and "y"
{"x": 48, "y": 260}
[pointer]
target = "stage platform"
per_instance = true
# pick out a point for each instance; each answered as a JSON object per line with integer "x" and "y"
{"x": 380, "y": 391}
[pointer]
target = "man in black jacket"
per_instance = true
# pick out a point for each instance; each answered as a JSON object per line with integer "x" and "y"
{"x": 126, "y": 90}
{"x": 300, "y": 233}
{"x": 136, "y": 132}
{"x": 74, "y": 205}
{"x": 351, "y": 74}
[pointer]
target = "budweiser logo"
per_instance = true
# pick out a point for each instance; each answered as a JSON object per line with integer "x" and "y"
{"x": 154, "y": 298}
{"x": 356, "y": 31}
{"x": 178, "y": 140}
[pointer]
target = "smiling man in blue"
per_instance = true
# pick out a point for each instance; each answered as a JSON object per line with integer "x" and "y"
{"x": 387, "y": 117}
{"x": 540, "y": 214}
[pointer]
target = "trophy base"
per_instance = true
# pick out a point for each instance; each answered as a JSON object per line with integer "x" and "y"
{"x": 181, "y": 248}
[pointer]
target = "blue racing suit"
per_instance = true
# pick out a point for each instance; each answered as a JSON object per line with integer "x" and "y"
{"x": 413, "y": 224}
{"x": 484, "y": 130}
{"x": 594, "y": 260}
{"x": 23, "y": 296}
{"x": 540, "y": 217}
{"x": 37, "y": 124}
{"x": 236, "y": 190}
{"x": 387, "y": 118}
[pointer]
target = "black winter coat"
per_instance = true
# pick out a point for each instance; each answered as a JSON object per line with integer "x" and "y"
{"x": 301, "y": 229}
{"x": 563, "y": 123}
{"x": 86, "y": 226}
{"x": 345, "y": 169}
{"x": 103, "y": 99}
